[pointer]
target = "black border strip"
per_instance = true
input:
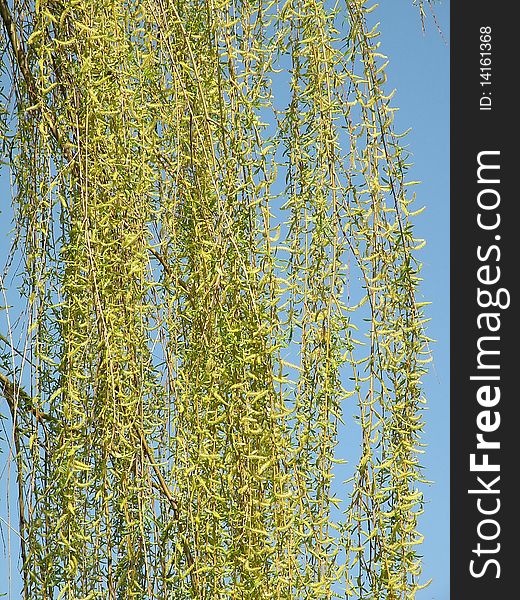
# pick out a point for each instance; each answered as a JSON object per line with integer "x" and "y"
{"x": 484, "y": 522}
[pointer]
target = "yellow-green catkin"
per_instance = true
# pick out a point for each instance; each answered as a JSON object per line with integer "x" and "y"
{"x": 218, "y": 276}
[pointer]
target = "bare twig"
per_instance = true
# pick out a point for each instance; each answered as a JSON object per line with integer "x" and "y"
{"x": 163, "y": 486}
{"x": 12, "y": 392}
{"x": 168, "y": 271}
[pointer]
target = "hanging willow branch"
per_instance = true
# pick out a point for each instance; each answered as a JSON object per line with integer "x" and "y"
{"x": 23, "y": 66}
{"x": 220, "y": 283}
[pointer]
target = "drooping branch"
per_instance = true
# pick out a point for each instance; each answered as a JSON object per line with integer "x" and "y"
{"x": 181, "y": 360}
{"x": 17, "y": 48}
{"x": 20, "y": 56}
{"x": 165, "y": 490}
{"x": 13, "y": 393}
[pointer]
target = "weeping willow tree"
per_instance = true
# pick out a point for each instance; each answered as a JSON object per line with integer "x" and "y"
{"x": 214, "y": 249}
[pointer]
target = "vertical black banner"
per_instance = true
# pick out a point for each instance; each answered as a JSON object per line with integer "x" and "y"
{"x": 485, "y": 252}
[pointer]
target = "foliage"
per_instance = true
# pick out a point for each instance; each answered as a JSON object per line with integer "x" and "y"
{"x": 215, "y": 276}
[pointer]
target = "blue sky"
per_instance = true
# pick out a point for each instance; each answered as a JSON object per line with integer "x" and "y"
{"x": 419, "y": 70}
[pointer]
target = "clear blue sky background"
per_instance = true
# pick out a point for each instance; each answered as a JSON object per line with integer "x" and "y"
{"x": 419, "y": 70}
